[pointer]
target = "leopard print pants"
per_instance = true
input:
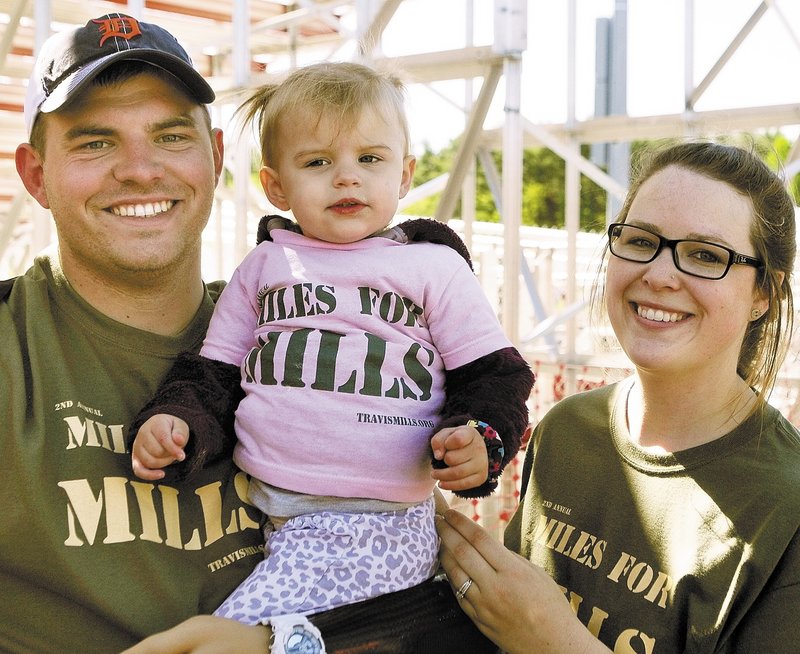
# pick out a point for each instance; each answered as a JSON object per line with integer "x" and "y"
{"x": 319, "y": 561}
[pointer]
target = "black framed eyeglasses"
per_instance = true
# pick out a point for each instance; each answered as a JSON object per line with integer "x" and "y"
{"x": 697, "y": 258}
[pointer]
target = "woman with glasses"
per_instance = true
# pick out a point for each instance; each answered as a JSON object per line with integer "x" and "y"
{"x": 661, "y": 514}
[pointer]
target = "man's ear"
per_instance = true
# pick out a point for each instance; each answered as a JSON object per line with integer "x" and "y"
{"x": 218, "y": 152}
{"x": 30, "y": 169}
{"x": 271, "y": 183}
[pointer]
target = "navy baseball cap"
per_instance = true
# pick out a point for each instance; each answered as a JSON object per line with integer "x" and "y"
{"x": 68, "y": 61}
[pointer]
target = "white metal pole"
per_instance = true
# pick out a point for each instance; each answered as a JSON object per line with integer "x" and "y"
{"x": 42, "y": 224}
{"x": 510, "y": 40}
{"x": 468, "y": 190}
{"x": 512, "y": 197}
{"x": 241, "y": 164}
{"x": 135, "y": 8}
{"x": 572, "y": 202}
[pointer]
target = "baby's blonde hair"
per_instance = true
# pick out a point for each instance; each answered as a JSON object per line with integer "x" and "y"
{"x": 338, "y": 91}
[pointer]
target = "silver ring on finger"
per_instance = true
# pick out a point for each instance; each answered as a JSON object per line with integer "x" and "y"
{"x": 462, "y": 591}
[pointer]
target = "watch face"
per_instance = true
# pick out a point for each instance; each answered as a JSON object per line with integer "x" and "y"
{"x": 302, "y": 641}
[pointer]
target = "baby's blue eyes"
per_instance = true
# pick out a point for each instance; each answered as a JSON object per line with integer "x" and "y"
{"x": 363, "y": 159}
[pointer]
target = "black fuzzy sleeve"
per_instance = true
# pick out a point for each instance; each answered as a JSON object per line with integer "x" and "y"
{"x": 204, "y": 393}
{"x": 494, "y": 389}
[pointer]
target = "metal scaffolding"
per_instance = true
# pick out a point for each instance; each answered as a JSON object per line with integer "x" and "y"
{"x": 238, "y": 44}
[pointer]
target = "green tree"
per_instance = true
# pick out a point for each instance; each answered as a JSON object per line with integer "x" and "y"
{"x": 543, "y": 181}
{"x": 542, "y": 194}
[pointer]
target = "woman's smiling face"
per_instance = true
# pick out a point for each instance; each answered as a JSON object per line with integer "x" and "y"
{"x": 666, "y": 320}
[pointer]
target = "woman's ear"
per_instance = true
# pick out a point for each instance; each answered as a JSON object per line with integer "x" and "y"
{"x": 761, "y": 298}
{"x": 271, "y": 183}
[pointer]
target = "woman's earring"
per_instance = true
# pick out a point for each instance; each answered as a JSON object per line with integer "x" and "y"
{"x": 755, "y": 314}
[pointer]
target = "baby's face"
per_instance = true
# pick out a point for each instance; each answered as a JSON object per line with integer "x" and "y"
{"x": 341, "y": 184}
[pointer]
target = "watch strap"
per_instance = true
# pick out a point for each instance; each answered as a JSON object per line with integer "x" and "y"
{"x": 294, "y": 634}
{"x": 494, "y": 447}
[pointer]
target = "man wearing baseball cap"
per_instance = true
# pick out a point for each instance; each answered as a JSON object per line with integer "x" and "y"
{"x": 69, "y": 61}
{"x": 122, "y": 152}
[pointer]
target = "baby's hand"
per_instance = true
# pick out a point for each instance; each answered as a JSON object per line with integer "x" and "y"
{"x": 463, "y": 450}
{"x": 159, "y": 442}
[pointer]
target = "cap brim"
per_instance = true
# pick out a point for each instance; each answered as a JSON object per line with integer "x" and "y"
{"x": 191, "y": 80}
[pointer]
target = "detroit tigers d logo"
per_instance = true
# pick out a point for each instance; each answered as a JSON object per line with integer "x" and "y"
{"x": 123, "y": 27}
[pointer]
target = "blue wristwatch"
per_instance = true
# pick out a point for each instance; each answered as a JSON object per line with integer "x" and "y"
{"x": 294, "y": 634}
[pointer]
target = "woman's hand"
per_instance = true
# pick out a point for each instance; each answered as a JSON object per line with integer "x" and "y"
{"x": 515, "y": 603}
{"x": 206, "y": 634}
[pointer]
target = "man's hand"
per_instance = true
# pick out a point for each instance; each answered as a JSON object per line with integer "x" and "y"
{"x": 206, "y": 634}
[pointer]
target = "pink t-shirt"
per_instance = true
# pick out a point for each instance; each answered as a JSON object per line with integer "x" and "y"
{"x": 343, "y": 349}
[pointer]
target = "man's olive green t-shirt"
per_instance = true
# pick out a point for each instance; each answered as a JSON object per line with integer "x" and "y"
{"x": 93, "y": 559}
